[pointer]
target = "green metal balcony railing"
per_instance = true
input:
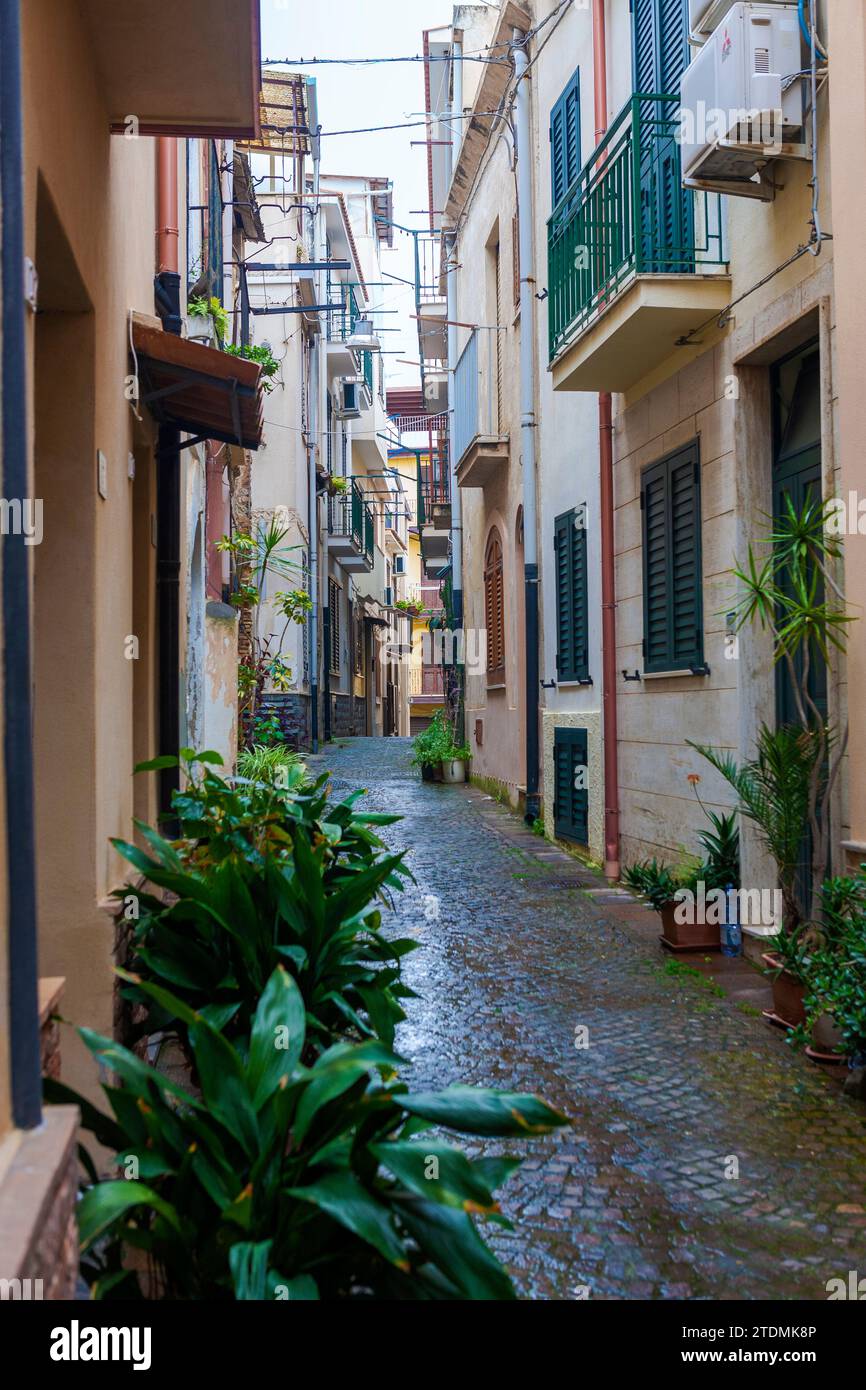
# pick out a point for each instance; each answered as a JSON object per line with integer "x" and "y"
{"x": 349, "y": 515}
{"x": 434, "y": 483}
{"x": 342, "y": 323}
{"x": 627, "y": 214}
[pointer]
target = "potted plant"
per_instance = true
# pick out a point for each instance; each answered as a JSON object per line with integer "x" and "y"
{"x": 207, "y": 320}
{"x": 430, "y": 746}
{"x": 413, "y": 606}
{"x": 831, "y": 966}
{"x": 454, "y": 762}
{"x": 337, "y": 485}
{"x": 664, "y": 889}
{"x": 786, "y": 789}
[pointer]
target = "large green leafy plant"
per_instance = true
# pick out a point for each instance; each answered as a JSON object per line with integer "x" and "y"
{"x": 262, "y": 876}
{"x": 790, "y": 589}
{"x": 280, "y": 1181}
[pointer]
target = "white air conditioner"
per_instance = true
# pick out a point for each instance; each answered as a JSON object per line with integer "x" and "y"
{"x": 349, "y": 400}
{"x": 399, "y": 564}
{"x": 706, "y": 15}
{"x": 740, "y": 105}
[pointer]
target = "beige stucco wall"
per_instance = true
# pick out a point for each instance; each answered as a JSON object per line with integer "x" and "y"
{"x": 490, "y": 210}
{"x": 90, "y": 219}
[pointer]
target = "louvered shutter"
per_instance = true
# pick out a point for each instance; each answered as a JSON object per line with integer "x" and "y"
{"x": 660, "y": 55}
{"x": 685, "y": 551}
{"x": 572, "y": 607}
{"x": 565, "y": 141}
{"x": 494, "y": 608}
{"x": 672, "y": 576}
{"x": 564, "y": 610}
{"x": 571, "y": 801}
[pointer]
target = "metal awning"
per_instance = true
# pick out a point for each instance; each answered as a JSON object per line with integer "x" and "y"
{"x": 207, "y": 393}
{"x": 190, "y": 69}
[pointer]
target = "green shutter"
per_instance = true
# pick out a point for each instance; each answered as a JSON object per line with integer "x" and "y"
{"x": 572, "y": 606}
{"x": 571, "y": 803}
{"x": 672, "y": 577}
{"x": 565, "y": 141}
{"x": 660, "y": 55}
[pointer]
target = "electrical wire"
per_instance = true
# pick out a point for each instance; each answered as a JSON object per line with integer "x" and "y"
{"x": 478, "y": 55}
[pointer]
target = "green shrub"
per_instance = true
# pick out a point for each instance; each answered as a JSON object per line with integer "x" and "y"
{"x": 261, "y": 877}
{"x": 286, "y": 1182}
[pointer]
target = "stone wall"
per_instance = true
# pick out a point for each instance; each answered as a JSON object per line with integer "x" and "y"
{"x": 293, "y": 711}
{"x": 348, "y": 716}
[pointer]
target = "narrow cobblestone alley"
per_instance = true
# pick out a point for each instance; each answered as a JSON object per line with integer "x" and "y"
{"x": 632, "y": 1201}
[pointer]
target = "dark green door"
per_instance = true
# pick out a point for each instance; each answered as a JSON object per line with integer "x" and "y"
{"x": 571, "y": 793}
{"x": 660, "y": 55}
{"x": 796, "y": 384}
{"x": 796, "y": 392}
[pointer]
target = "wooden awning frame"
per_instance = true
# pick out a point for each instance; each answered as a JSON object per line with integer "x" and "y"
{"x": 206, "y": 393}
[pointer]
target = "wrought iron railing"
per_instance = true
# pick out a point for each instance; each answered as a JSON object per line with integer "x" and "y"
{"x": 627, "y": 214}
{"x": 477, "y": 379}
{"x": 434, "y": 483}
{"x": 341, "y": 323}
{"x": 349, "y": 515}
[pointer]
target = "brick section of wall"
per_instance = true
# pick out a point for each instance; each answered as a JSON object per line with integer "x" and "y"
{"x": 50, "y": 993}
{"x": 293, "y": 712}
{"x": 38, "y": 1237}
{"x": 348, "y": 716}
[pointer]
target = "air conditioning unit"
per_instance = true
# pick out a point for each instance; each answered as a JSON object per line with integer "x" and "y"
{"x": 707, "y": 15}
{"x": 741, "y": 106}
{"x": 349, "y": 400}
{"x": 399, "y": 564}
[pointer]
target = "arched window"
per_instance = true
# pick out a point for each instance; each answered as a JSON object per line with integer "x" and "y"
{"x": 494, "y": 609}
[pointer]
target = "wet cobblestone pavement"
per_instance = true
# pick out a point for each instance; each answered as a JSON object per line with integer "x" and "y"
{"x": 633, "y": 1200}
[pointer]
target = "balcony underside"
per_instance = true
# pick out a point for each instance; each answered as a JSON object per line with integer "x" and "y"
{"x": 484, "y": 461}
{"x": 189, "y": 69}
{"x": 434, "y": 549}
{"x": 352, "y": 559}
{"x": 637, "y": 331}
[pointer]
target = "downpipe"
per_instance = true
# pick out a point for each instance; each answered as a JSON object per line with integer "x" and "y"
{"x": 608, "y": 563}
{"x": 528, "y": 425}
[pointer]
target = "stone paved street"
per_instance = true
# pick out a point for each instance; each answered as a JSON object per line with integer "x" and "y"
{"x": 633, "y": 1201}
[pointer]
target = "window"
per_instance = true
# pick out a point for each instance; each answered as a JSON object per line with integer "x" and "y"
{"x": 565, "y": 141}
{"x": 215, "y": 226}
{"x": 334, "y": 616}
{"x": 494, "y": 610}
{"x": 570, "y": 793}
{"x": 572, "y": 608}
{"x": 670, "y": 499}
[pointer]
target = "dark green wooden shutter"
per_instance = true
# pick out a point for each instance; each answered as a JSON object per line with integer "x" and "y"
{"x": 660, "y": 55}
{"x": 572, "y": 605}
{"x": 565, "y": 141}
{"x": 571, "y": 804}
{"x": 672, "y": 577}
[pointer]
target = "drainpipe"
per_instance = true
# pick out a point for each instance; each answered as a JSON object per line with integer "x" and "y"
{"x": 608, "y": 567}
{"x": 318, "y": 361}
{"x": 525, "y": 219}
{"x": 451, "y": 310}
{"x": 167, "y": 294}
{"x": 24, "y": 1060}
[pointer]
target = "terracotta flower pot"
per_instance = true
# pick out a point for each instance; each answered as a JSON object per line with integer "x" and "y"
{"x": 788, "y": 993}
{"x": 827, "y": 1035}
{"x": 688, "y": 936}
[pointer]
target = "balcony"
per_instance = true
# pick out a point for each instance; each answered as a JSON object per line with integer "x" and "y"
{"x": 480, "y": 448}
{"x": 426, "y": 683}
{"x": 192, "y": 69}
{"x": 342, "y": 360}
{"x": 635, "y": 261}
{"x": 434, "y": 508}
{"x": 350, "y": 531}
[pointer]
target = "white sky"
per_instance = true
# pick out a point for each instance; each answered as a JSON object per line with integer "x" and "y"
{"x": 350, "y": 97}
